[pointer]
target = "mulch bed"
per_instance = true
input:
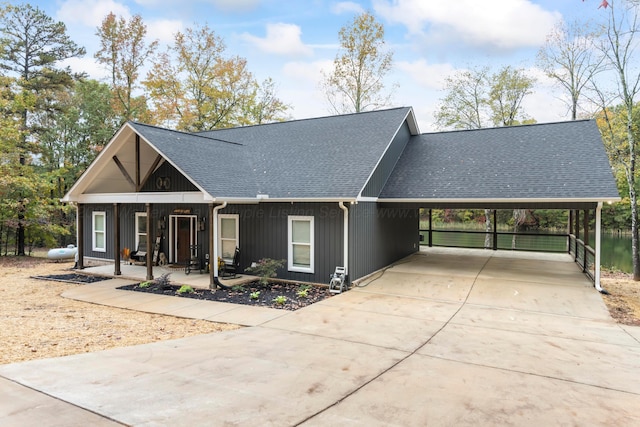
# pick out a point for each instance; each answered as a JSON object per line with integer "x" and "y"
{"x": 242, "y": 294}
{"x": 72, "y": 278}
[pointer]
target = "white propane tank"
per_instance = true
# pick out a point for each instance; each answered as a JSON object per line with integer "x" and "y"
{"x": 63, "y": 253}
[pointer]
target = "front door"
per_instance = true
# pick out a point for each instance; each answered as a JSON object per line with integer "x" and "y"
{"x": 183, "y": 237}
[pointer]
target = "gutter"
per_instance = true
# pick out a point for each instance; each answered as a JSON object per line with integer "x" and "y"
{"x": 345, "y": 238}
{"x": 214, "y": 261}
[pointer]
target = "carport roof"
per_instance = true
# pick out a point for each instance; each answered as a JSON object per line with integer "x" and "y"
{"x": 552, "y": 163}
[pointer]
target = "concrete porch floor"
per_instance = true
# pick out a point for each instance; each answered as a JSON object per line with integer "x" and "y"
{"x": 139, "y": 273}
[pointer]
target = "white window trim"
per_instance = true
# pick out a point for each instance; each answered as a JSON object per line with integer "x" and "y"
{"x": 138, "y": 234}
{"x": 220, "y": 239}
{"x": 94, "y": 245}
{"x": 290, "y": 244}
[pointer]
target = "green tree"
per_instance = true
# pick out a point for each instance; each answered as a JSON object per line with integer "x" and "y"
{"x": 465, "y": 103}
{"x": 124, "y": 52}
{"x": 32, "y": 45}
{"x": 357, "y": 80}
{"x": 509, "y": 87}
{"x": 194, "y": 87}
{"x": 619, "y": 44}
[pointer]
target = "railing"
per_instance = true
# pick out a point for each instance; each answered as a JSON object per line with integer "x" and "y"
{"x": 583, "y": 255}
{"x": 541, "y": 242}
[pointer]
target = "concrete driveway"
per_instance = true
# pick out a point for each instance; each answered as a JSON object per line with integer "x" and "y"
{"x": 445, "y": 337}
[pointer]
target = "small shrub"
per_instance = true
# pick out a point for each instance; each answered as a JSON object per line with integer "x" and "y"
{"x": 163, "y": 281}
{"x": 254, "y": 295}
{"x": 185, "y": 289}
{"x": 266, "y": 268}
{"x": 237, "y": 288}
{"x": 145, "y": 284}
{"x": 280, "y": 300}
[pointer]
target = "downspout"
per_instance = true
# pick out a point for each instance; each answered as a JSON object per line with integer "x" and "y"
{"x": 214, "y": 261}
{"x": 345, "y": 239}
{"x": 597, "y": 261}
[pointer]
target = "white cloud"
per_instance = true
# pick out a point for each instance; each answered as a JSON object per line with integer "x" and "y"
{"x": 86, "y": 65}
{"x": 281, "y": 39}
{"x": 347, "y": 7}
{"x": 235, "y": 5}
{"x": 163, "y": 30}
{"x": 90, "y": 13}
{"x": 430, "y": 76}
{"x": 491, "y": 23}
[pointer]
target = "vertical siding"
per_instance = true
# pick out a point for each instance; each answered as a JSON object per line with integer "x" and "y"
{"x": 177, "y": 181}
{"x": 382, "y": 172}
{"x": 379, "y": 236}
{"x": 263, "y": 232}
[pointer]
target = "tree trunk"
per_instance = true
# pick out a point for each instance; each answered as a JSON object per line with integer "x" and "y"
{"x": 487, "y": 229}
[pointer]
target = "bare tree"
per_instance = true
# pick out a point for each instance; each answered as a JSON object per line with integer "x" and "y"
{"x": 571, "y": 58}
{"x": 357, "y": 80}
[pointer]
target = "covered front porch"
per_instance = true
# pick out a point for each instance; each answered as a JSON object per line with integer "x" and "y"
{"x": 177, "y": 275}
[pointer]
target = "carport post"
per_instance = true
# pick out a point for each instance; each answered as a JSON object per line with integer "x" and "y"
{"x": 585, "y": 232}
{"x": 495, "y": 231}
{"x": 577, "y": 230}
{"x": 116, "y": 240}
{"x": 430, "y": 228}
{"x": 80, "y": 232}
{"x": 597, "y": 249}
{"x": 149, "y": 256}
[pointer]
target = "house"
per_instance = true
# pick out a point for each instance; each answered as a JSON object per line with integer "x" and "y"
{"x": 324, "y": 192}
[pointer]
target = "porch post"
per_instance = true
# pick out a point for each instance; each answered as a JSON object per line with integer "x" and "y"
{"x": 577, "y": 231}
{"x": 597, "y": 249}
{"x": 149, "y": 241}
{"x": 80, "y": 232}
{"x": 570, "y": 230}
{"x": 116, "y": 239}
{"x": 585, "y": 233}
{"x": 430, "y": 228}
{"x": 495, "y": 230}
{"x": 213, "y": 262}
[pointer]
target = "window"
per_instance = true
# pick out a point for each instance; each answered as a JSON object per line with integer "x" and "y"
{"x": 228, "y": 236}
{"x": 301, "y": 244}
{"x": 141, "y": 230}
{"x": 99, "y": 227}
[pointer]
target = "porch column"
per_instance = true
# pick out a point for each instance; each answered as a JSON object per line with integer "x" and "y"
{"x": 495, "y": 230}
{"x": 149, "y": 241}
{"x": 213, "y": 262}
{"x": 577, "y": 231}
{"x": 570, "y": 230}
{"x": 80, "y": 233}
{"x": 585, "y": 233}
{"x": 430, "y": 228}
{"x": 596, "y": 274}
{"x": 116, "y": 239}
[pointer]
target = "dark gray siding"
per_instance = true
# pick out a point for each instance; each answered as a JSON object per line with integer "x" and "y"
{"x": 382, "y": 172}
{"x": 263, "y": 234}
{"x": 379, "y": 236}
{"x": 127, "y": 226}
{"x": 177, "y": 182}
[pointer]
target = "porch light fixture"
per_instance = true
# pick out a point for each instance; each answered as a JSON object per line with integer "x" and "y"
{"x": 201, "y": 224}
{"x": 162, "y": 223}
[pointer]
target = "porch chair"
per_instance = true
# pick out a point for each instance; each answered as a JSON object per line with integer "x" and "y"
{"x": 230, "y": 269}
{"x": 140, "y": 254}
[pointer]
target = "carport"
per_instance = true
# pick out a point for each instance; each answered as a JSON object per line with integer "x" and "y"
{"x": 561, "y": 166}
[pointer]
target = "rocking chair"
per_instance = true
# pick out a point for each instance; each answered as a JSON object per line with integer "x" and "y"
{"x": 230, "y": 269}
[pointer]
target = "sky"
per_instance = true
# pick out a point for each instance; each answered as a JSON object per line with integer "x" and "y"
{"x": 293, "y": 41}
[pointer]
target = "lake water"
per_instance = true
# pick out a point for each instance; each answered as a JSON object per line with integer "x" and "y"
{"x": 615, "y": 253}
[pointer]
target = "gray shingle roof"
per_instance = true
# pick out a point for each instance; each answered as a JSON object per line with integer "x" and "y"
{"x": 544, "y": 161}
{"x": 328, "y": 157}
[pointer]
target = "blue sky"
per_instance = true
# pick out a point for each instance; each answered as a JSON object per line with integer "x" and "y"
{"x": 292, "y": 41}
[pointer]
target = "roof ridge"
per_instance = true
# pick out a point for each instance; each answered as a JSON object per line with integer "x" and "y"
{"x": 305, "y": 119}
{"x": 560, "y": 122}
{"x": 185, "y": 133}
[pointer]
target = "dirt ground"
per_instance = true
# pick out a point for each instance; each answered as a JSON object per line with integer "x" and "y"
{"x": 624, "y": 299}
{"x": 36, "y": 322}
